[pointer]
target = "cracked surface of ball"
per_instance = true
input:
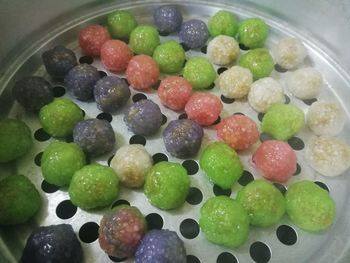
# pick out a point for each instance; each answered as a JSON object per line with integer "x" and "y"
{"x": 194, "y": 33}
{"x": 115, "y": 55}
{"x": 258, "y": 61}
{"x": 144, "y": 39}
{"x": 167, "y": 18}
{"x": 91, "y": 39}
{"x": 223, "y": 23}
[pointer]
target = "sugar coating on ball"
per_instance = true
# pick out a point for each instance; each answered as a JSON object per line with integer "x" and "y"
{"x": 174, "y": 92}
{"x": 91, "y": 39}
{"x": 199, "y": 72}
{"x": 167, "y": 18}
{"x": 253, "y": 32}
{"x": 235, "y": 82}
{"x": 115, "y": 55}
{"x": 325, "y": 118}
{"x": 194, "y": 33}
{"x": 238, "y": 131}
{"x": 258, "y": 61}
{"x": 289, "y": 52}
{"x": 309, "y": 206}
{"x": 170, "y": 56}
{"x": 120, "y": 24}
{"x": 275, "y": 160}
{"x": 144, "y": 39}
{"x": 223, "y": 23}
{"x": 264, "y": 93}
{"x": 142, "y": 72}
{"x": 222, "y": 50}
{"x": 131, "y": 163}
{"x": 282, "y": 121}
{"x": 305, "y": 83}
{"x": 328, "y": 155}
{"x": 203, "y": 108}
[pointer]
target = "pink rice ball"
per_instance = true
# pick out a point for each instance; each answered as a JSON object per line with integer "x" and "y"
{"x": 115, "y": 55}
{"x": 275, "y": 160}
{"x": 174, "y": 92}
{"x": 91, "y": 39}
{"x": 142, "y": 72}
{"x": 203, "y": 108}
{"x": 238, "y": 131}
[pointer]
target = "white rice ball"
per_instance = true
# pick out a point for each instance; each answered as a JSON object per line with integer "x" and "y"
{"x": 325, "y": 118}
{"x": 305, "y": 83}
{"x": 328, "y": 155}
{"x": 223, "y": 50}
{"x": 264, "y": 93}
{"x": 131, "y": 163}
{"x": 235, "y": 82}
{"x": 289, "y": 52}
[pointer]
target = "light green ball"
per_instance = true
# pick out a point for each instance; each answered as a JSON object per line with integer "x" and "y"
{"x": 199, "y": 72}
{"x": 223, "y": 23}
{"x": 170, "y": 57}
{"x": 253, "y": 32}
{"x": 144, "y": 40}
{"x": 258, "y": 61}
{"x": 282, "y": 121}
{"x": 120, "y": 23}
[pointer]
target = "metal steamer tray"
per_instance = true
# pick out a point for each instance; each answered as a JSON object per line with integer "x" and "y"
{"x": 282, "y": 242}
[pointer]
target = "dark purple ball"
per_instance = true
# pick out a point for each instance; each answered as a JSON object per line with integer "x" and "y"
{"x": 33, "y": 93}
{"x": 194, "y": 33}
{"x": 81, "y": 80}
{"x": 59, "y": 61}
{"x": 94, "y": 136}
{"x": 161, "y": 246}
{"x": 183, "y": 138}
{"x": 111, "y": 93}
{"x": 143, "y": 117}
{"x": 167, "y": 18}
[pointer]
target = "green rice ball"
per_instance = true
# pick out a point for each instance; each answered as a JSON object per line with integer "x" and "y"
{"x": 223, "y": 23}
{"x": 253, "y": 32}
{"x": 199, "y": 72}
{"x": 144, "y": 40}
{"x": 120, "y": 23}
{"x": 170, "y": 57}
{"x": 258, "y": 61}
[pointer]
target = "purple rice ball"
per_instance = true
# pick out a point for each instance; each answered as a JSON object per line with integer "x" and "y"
{"x": 59, "y": 61}
{"x": 183, "y": 138}
{"x": 81, "y": 80}
{"x": 161, "y": 246}
{"x": 33, "y": 93}
{"x": 94, "y": 136}
{"x": 111, "y": 93}
{"x": 194, "y": 33}
{"x": 168, "y": 19}
{"x": 143, "y": 117}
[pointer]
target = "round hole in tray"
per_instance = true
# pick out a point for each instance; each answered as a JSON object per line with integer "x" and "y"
{"x": 245, "y": 178}
{"x": 120, "y": 202}
{"x": 58, "y": 91}
{"x": 221, "y": 70}
{"x": 296, "y": 143}
{"x": 114, "y": 259}
{"x": 137, "y": 139}
{"x": 185, "y": 47}
{"x": 192, "y": 259}
{"x": 37, "y": 158}
{"x": 164, "y": 119}
{"x": 109, "y": 160}
{"x": 154, "y": 221}
{"x": 189, "y": 228}
{"x": 279, "y": 69}
{"x": 238, "y": 113}
{"x": 191, "y": 166}
{"x": 260, "y": 252}
{"x": 226, "y": 257}
{"x": 260, "y": 116}
{"x": 286, "y": 235}
{"x": 102, "y": 74}
{"x": 105, "y": 116}
{"x": 194, "y": 196}
{"x": 66, "y": 209}
{"x": 182, "y": 116}
{"x": 86, "y": 60}
{"x": 204, "y": 49}
{"x": 48, "y": 188}
{"x": 41, "y": 135}
{"x": 217, "y": 190}
{"x": 298, "y": 170}
{"x": 156, "y": 86}
{"x": 265, "y": 137}
{"x": 280, "y": 187}
{"x": 322, "y": 185}
{"x": 226, "y": 100}
{"x": 88, "y": 232}
{"x": 309, "y": 101}
{"x": 138, "y": 96}
{"x": 243, "y": 47}
{"x": 287, "y": 99}
{"x": 159, "y": 157}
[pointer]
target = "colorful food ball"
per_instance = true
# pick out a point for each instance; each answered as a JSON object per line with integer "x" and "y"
{"x": 33, "y": 93}
{"x": 142, "y": 72}
{"x": 91, "y": 39}
{"x": 325, "y": 118}
{"x": 94, "y": 186}
{"x": 258, "y": 61}
{"x": 94, "y": 136}
{"x": 167, "y": 185}
{"x": 223, "y": 23}
{"x": 131, "y": 163}
{"x": 174, "y": 92}
{"x": 183, "y": 138}
{"x": 111, "y": 93}
{"x": 305, "y": 83}
{"x": 238, "y": 131}
{"x": 15, "y": 139}
{"x": 221, "y": 164}
{"x": 235, "y": 82}
{"x": 253, "y": 32}
{"x": 264, "y": 93}
{"x": 328, "y": 155}
{"x": 59, "y": 61}
{"x": 121, "y": 231}
{"x": 60, "y": 161}
{"x": 289, "y": 52}
{"x": 170, "y": 57}
{"x": 199, "y": 72}
{"x": 159, "y": 246}
{"x": 19, "y": 200}
{"x": 224, "y": 221}
{"x": 115, "y": 55}
{"x": 143, "y": 117}
{"x": 282, "y": 121}
{"x": 144, "y": 40}
{"x": 194, "y": 33}
{"x": 54, "y": 243}
{"x": 120, "y": 23}
{"x": 203, "y": 108}
{"x": 275, "y": 160}
{"x": 222, "y": 50}
{"x": 263, "y": 202}
{"x": 309, "y": 206}
{"x": 81, "y": 80}
{"x": 167, "y": 18}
